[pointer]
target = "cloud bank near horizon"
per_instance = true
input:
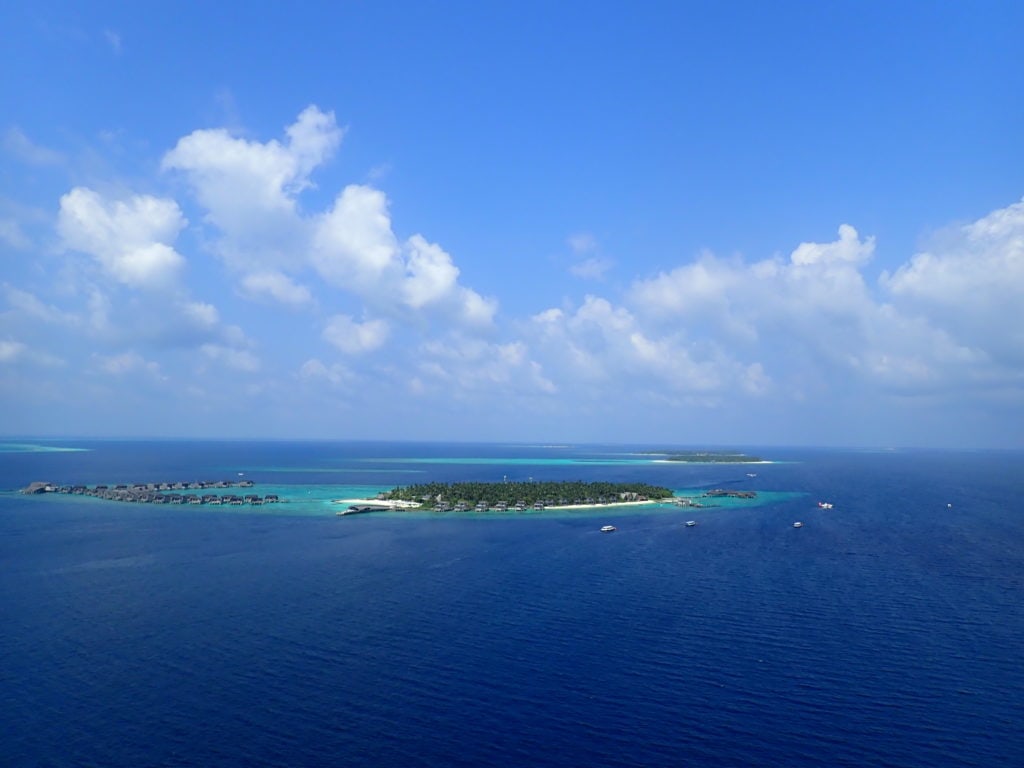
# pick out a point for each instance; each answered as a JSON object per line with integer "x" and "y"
{"x": 217, "y": 287}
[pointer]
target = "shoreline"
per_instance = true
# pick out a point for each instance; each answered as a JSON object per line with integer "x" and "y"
{"x": 398, "y": 504}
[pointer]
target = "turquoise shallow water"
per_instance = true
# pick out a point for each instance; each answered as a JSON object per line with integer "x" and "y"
{"x": 36, "y": 448}
{"x": 314, "y": 499}
{"x": 510, "y": 461}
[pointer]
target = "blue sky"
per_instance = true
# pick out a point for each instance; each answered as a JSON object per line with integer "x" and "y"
{"x": 664, "y": 222}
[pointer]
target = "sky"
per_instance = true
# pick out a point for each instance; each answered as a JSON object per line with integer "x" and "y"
{"x": 686, "y": 223}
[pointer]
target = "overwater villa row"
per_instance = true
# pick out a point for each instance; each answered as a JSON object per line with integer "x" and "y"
{"x": 522, "y": 506}
{"x": 162, "y": 493}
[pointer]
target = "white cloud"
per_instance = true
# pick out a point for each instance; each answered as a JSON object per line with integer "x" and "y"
{"x": 11, "y": 350}
{"x": 463, "y": 365}
{"x": 818, "y": 321}
{"x": 312, "y": 139}
{"x": 12, "y": 235}
{"x": 475, "y": 309}
{"x": 336, "y": 374}
{"x": 22, "y": 147}
{"x": 130, "y": 239}
{"x": 128, "y": 362}
{"x": 847, "y": 249}
{"x": 249, "y": 188}
{"x": 200, "y": 315}
{"x": 353, "y": 245}
{"x": 236, "y": 179}
{"x": 593, "y": 268}
{"x": 430, "y": 273}
{"x": 979, "y": 263}
{"x": 582, "y": 242}
{"x": 238, "y": 359}
{"x": 29, "y": 305}
{"x": 353, "y": 338}
{"x": 278, "y": 287}
{"x": 605, "y": 348}
{"x": 432, "y": 280}
{"x": 971, "y": 283}
{"x": 250, "y": 192}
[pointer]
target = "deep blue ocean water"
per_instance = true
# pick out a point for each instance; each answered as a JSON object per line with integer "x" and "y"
{"x": 885, "y": 632}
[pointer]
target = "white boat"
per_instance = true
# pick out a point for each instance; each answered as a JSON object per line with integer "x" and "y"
{"x": 607, "y": 528}
{"x": 824, "y": 505}
{"x": 690, "y": 523}
{"x": 798, "y": 524}
{"x": 751, "y": 474}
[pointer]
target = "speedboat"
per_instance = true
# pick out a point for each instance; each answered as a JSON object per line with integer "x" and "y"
{"x": 824, "y": 505}
{"x": 608, "y": 529}
{"x": 798, "y": 524}
{"x": 690, "y": 523}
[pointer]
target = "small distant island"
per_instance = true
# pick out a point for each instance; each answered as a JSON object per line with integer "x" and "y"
{"x": 712, "y": 457}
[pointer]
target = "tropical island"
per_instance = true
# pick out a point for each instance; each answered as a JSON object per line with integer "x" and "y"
{"x": 520, "y": 496}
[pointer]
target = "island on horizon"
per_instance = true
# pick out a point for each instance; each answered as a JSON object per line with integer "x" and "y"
{"x": 709, "y": 457}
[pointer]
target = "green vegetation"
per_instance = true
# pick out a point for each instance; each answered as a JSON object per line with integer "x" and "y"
{"x": 442, "y": 496}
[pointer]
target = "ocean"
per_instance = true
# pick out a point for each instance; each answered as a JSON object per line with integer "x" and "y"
{"x": 887, "y": 631}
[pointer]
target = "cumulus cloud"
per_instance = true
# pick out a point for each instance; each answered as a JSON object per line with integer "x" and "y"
{"x": 238, "y": 359}
{"x": 354, "y": 247}
{"x": 604, "y": 347}
{"x": 316, "y": 370}
{"x": 971, "y": 283}
{"x": 278, "y": 287}
{"x": 593, "y": 268}
{"x": 465, "y": 366}
{"x": 353, "y": 244}
{"x": 817, "y": 318}
{"x": 352, "y": 337}
{"x": 249, "y": 188}
{"x": 128, "y": 362}
{"x": 430, "y": 273}
{"x": 849, "y": 249}
{"x": 250, "y": 191}
{"x": 432, "y": 280}
{"x": 130, "y": 239}
{"x": 235, "y": 179}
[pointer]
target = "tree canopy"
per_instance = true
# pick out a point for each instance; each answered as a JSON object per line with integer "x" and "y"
{"x": 548, "y": 493}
